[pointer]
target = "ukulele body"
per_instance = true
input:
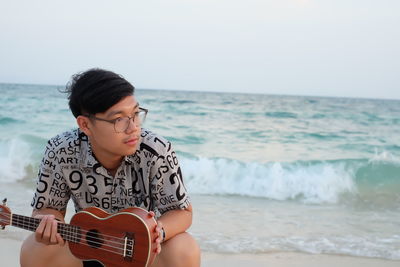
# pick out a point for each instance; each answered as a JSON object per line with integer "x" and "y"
{"x": 122, "y": 239}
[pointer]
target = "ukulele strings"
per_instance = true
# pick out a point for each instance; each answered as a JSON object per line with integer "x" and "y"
{"x": 84, "y": 244}
{"x": 93, "y": 242}
{"x": 71, "y": 234}
{"x": 69, "y": 231}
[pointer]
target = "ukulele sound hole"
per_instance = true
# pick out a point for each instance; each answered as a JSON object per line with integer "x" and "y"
{"x": 94, "y": 238}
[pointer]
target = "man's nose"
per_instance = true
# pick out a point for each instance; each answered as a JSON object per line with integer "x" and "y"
{"x": 133, "y": 125}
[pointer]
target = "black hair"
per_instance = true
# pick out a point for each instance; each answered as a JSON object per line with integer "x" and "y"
{"x": 95, "y": 91}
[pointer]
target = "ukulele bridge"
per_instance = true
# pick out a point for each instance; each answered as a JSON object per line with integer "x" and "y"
{"x": 128, "y": 247}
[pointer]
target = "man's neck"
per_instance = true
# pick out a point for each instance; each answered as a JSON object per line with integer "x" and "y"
{"x": 109, "y": 161}
{"x": 111, "y": 164}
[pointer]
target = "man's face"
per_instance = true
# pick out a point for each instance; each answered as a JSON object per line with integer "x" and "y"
{"x": 104, "y": 138}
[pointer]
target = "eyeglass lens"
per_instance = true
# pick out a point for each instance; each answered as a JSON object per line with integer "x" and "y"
{"x": 122, "y": 124}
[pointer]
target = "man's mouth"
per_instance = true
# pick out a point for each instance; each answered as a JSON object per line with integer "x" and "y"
{"x": 132, "y": 141}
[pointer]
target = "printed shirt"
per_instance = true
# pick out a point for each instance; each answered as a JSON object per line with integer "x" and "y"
{"x": 151, "y": 178}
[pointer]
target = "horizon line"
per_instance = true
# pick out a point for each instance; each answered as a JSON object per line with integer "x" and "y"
{"x": 227, "y": 92}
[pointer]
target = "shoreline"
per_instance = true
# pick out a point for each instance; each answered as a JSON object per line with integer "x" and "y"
{"x": 9, "y": 253}
{"x": 292, "y": 259}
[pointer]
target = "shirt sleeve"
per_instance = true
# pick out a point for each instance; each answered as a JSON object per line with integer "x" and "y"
{"x": 52, "y": 190}
{"x": 170, "y": 191}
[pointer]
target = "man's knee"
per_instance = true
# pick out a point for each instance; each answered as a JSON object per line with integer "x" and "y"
{"x": 34, "y": 254}
{"x": 181, "y": 250}
{"x": 191, "y": 251}
{"x": 30, "y": 251}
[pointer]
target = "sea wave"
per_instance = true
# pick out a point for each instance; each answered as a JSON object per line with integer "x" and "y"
{"x": 371, "y": 181}
{"x": 20, "y": 157}
{"x": 8, "y": 120}
{"x": 281, "y": 114}
{"x": 373, "y": 247}
{"x": 374, "y": 181}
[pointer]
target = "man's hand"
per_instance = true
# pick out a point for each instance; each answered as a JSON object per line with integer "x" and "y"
{"x": 46, "y": 232}
{"x": 158, "y": 230}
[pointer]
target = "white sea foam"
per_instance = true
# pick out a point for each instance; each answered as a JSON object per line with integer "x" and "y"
{"x": 15, "y": 159}
{"x": 314, "y": 183}
{"x": 385, "y": 248}
{"x": 384, "y": 157}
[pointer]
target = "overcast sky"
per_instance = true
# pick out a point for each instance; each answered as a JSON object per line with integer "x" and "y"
{"x": 301, "y": 47}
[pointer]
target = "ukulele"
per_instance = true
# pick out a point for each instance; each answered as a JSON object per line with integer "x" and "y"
{"x": 122, "y": 239}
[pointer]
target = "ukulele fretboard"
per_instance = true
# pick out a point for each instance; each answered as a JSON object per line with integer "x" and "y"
{"x": 68, "y": 232}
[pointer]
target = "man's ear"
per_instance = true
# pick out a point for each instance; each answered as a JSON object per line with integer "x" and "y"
{"x": 84, "y": 123}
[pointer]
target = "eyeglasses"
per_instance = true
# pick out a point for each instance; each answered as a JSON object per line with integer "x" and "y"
{"x": 122, "y": 124}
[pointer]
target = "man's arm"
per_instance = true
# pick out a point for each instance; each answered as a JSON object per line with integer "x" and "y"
{"x": 176, "y": 221}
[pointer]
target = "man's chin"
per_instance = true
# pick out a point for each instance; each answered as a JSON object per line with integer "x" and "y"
{"x": 130, "y": 151}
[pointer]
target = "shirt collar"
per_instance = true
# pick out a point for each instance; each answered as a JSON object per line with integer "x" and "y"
{"x": 128, "y": 159}
{"x": 87, "y": 157}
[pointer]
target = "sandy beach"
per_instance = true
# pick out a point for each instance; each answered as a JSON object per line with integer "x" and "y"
{"x": 9, "y": 254}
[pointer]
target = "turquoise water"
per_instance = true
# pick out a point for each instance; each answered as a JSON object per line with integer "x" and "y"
{"x": 317, "y": 175}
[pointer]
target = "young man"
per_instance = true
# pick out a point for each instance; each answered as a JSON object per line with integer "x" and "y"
{"x": 112, "y": 163}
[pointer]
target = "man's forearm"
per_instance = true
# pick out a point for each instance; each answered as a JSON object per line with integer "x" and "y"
{"x": 176, "y": 221}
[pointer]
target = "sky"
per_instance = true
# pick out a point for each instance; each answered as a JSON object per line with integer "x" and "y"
{"x": 345, "y": 48}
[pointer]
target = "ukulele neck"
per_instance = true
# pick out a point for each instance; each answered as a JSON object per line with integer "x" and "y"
{"x": 68, "y": 232}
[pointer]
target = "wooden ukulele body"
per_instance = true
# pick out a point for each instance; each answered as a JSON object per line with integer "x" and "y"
{"x": 123, "y": 239}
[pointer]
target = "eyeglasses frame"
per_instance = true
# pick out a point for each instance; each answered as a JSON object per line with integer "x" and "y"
{"x": 114, "y": 120}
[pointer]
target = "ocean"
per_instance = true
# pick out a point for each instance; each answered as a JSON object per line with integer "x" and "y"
{"x": 266, "y": 173}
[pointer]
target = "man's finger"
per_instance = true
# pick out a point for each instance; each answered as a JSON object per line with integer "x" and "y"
{"x": 53, "y": 238}
{"x": 47, "y": 230}
{"x": 60, "y": 240}
{"x": 40, "y": 229}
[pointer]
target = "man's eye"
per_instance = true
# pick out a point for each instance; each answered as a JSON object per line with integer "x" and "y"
{"x": 119, "y": 119}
